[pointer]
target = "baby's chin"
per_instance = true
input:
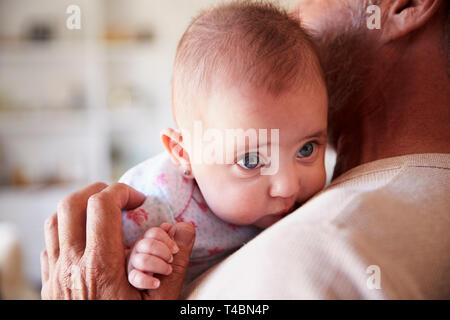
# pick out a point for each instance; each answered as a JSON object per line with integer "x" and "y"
{"x": 269, "y": 220}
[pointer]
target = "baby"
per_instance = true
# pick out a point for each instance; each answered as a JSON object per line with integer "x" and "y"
{"x": 243, "y": 68}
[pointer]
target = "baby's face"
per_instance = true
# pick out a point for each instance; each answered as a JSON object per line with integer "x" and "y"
{"x": 238, "y": 192}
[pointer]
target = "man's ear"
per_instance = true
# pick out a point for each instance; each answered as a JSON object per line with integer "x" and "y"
{"x": 406, "y": 16}
{"x": 173, "y": 142}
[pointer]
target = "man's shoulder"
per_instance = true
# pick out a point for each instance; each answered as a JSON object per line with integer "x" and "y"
{"x": 412, "y": 188}
{"x": 386, "y": 221}
{"x": 392, "y": 216}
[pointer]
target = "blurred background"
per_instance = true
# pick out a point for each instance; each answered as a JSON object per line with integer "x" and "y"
{"x": 76, "y": 106}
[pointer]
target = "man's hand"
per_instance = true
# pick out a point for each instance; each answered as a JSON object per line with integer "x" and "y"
{"x": 85, "y": 257}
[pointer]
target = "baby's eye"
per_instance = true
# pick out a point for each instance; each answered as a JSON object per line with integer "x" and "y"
{"x": 306, "y": 151}
{"x": 250, "y": 161}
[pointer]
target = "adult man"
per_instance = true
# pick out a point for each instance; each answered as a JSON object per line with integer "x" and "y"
{"x": 387, "y": 211}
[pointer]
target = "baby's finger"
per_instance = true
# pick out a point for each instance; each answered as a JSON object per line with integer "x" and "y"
{"x": 166, "y": 226}
{"x": 161, "y": 235}
{"x": 171, "y": 232}
{"x": 154, "y": 247}
{"x": 148, "y": 263}
{"x": 142, "y": 280}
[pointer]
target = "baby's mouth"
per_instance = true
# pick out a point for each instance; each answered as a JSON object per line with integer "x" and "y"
{"x": 297, "y": 205}
{"x": 292, "y": 208}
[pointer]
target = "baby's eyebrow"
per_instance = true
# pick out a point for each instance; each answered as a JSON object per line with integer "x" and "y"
{"x": 319, "y": 134}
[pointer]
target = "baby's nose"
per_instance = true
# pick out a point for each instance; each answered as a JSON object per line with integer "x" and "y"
{"x": 285, "y": 184}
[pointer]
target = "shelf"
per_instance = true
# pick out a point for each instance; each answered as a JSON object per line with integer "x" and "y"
{"x": 60, "y": 51}
{"x": 52, "y": 51}
{"x": 69, "y": 122}
{"x": 9, "y": 191}
{"x": 44, "y": 122}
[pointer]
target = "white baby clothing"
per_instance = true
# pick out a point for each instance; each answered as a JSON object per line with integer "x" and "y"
{"x": 173, "y": 198}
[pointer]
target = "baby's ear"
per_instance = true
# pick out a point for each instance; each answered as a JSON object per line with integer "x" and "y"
{"x": 173, "y": 142}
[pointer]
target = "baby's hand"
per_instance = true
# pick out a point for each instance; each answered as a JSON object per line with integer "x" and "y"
{"x": 152, "y": 254}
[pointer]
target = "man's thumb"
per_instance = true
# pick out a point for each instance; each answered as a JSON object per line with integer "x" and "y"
{"x": 184, "y": 237}
{"x": 171, "y": 285}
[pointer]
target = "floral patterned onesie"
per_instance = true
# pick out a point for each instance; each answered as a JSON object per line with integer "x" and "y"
{"x": 173, "y": 198}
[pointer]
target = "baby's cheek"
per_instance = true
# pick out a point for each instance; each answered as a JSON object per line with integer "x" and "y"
{"x": 314, "y": 181}
{"x": 239, "y": 205}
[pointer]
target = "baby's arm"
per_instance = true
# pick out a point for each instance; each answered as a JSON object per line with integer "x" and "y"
{"x": 151, "y": 254}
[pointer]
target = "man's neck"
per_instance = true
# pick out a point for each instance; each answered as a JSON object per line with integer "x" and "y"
{"x": 409, "y": 116}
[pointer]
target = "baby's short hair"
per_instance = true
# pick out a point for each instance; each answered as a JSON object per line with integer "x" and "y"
{"x": 242, "y": 42}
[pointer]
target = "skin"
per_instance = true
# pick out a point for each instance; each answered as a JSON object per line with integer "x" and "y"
{"x": 402, "y": 108}
{"x": 152, "y": 254}
{"x": 252, "y": 198}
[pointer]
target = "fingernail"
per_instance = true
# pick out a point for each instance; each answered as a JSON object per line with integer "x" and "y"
{"x": 184, "y": 234}
{"x": 171, "y": 259}
{"x": 156, "y": 283}
{"x": 175, "y": 248}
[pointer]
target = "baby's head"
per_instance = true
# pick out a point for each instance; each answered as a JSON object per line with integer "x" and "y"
{"x": 247, "y": 67}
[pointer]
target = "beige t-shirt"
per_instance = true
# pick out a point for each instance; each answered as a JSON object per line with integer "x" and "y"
{"x": 379, "y": 231}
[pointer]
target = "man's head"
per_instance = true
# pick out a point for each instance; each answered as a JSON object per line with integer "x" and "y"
{"x": 359, "y": 63}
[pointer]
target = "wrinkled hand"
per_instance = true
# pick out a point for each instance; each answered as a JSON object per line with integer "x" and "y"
{"x": 85, "y": 256}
